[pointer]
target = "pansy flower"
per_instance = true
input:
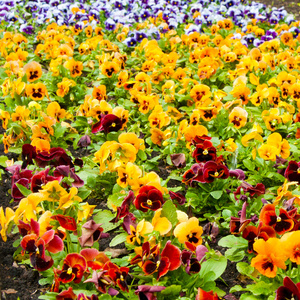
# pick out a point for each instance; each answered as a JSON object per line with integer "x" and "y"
{"x": 288, "y": 291}
{"x": 73, "y": 268}
{"x": 189, "y": 231}
{"x": 33, "y": 71}
{"x": 168, "y": 260}
{"x": 149, "y": 197}
{"x": 212, "y": 170}
{"x": 238, "y": 117}
{"x": 292, "y": 172}
{"x": 281, "y": 223}
{"x": 270, "y": 256}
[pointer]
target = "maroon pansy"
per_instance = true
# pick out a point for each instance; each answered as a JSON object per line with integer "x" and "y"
{"x": 212, "y": 170}
{"x": 195, "y": 173}
{"x": 84, "y": 141}
{"x": 288, "y": 291}
{"x": 205, "y": 152}
{"x": 246, "y": 188}
{"x": 237, "y": 225}
{"x": 102, "y": 282}
{"x": 149, "y": 197}
{"x": 41, "y": 178}
{"x": 292, "y": 172}
{"x": 107, "y": 123}
{"x": 54, "y": 157}
{"x": 28, "y": 154}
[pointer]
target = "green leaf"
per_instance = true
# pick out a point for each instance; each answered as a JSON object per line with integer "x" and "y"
{"x": 118, "y": 239}
{"x": 233, "y": 241}
{"x": 24, "y": 190}
{"x": 49, "y": 296}
{"x": 103, "y": 217}
{"x": 217, "y": 265}
{"x": 3, "y": 159}
{"x": 250, "y": 297}
{"x": 172, "y": 290}
{"x": 235, "y": 254}
{"x": 216, "y": 194}
{"x": 244, "y": 268}
{"x": 142, "y": 155}
{"x": 249, "y": 164}
{"x": 84, "y": 193}
{"x": 260, "y": 288}
{"x": 115, "y": 200}
{"x": 44, "y": 281}
{"x": 169, "y": 211}
{"x": 236, "y": 288}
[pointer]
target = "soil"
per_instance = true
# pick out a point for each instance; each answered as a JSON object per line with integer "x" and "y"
{"x": 291, "y": 6}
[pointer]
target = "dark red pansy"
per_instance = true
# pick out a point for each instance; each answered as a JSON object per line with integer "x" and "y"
{"x": 41, "y": 178}
{"x": 212, "y": 170}
{"x": 292, "y": 172}
{"x": 237, "y": 225}
{"x": 74, "y": 266}
{"x": 147, "y": 252}
{"x": 281, "y": 223}
{"x": 55, "y": 157}
{"x": 28, "y": 154}
{"x": 289, "y": 290}
{"x": 195, "y": 173}
{"x": 149, "y": 197}
{"x": 108, "y": 123}
{"x": 205, "y": 152}
{"x": 66, "y": 222}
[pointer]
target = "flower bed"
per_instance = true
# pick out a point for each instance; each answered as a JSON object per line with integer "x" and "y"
{"x": 168, "y": 131}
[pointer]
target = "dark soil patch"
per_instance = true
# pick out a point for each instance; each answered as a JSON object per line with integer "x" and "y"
{"x": 291, "y": 6}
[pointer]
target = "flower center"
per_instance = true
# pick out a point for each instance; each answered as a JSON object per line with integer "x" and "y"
{"x": 69, "y": 270}
{"x": 278, "y": 219}
{"x": 149, "y": 202}
{"x": 298, "y": 170}
{"x": 205, "y": 152}
{"x": 113, "y": 124}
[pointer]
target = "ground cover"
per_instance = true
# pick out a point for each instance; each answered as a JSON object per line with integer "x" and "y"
{"x": 151, "y": 150}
